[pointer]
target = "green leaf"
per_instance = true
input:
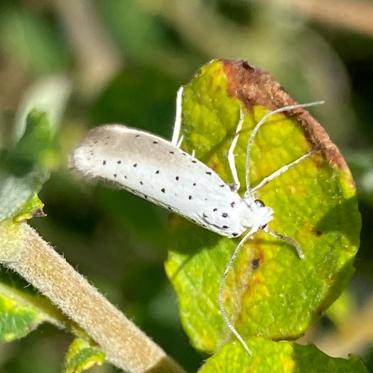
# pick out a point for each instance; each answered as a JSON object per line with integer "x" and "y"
{"x": 24, "y": 169}
{"x": 270, "y": 292}
{"x": 82, "y": 355}
{"x": 26, "y": 165}
{"x": 20, "y": 313}
{"x": 278, "y": 357}
{"x": 48, "y": 94}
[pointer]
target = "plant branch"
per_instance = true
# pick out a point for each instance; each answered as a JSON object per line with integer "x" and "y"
{"x": 125, "y": 346}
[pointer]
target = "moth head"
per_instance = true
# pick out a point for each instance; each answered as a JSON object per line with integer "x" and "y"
{"x": 261, "y": 214}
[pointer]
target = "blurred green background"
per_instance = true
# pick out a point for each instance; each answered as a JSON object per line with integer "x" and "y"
{"x": 123, "y": 61}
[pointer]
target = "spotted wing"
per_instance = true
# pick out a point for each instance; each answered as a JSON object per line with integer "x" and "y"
{"x": 154, "y": 169}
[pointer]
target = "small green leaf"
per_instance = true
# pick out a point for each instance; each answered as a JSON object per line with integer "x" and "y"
{"x": 33, "y": 207}
{"x": 16, "y": 321}
{"x": 33, "y": 147}
{"x": 82, "y": 355}
{"x": 24, "y": 169}
{"x": 48, "y": 94}
{"x": 20, "y": 313}
{"x": 270, "y": 292}
{"x": 278, "y": 357}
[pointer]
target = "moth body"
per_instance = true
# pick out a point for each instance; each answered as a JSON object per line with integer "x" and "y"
{"x": 155, "y": 169}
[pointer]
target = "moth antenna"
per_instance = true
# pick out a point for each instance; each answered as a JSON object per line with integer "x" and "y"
{"x": 282, "y": 170}
{"x": 256, "y": 129}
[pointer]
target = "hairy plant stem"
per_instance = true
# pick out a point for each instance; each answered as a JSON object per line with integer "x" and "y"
{"x": 125, "y": 346}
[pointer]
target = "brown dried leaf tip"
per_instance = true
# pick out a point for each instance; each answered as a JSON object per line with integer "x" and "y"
{"x": 254, "y": 86}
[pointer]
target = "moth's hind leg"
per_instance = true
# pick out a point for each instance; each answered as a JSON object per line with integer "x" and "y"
{"x": 288, "y": 240}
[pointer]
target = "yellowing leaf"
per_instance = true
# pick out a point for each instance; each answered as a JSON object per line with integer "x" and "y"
{"x": 270, "y": 292}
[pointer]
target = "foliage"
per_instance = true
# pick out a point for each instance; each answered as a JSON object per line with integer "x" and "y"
{"x": 82, "y": 355}
{"x": 135, "y": 54}
{"x": 278, "y": 357}
{"x": 270, "y": 292}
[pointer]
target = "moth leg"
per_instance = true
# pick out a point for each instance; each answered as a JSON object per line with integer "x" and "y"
{"x": 230, "y": 155}
{"x": 286, "y": 239}
{"x": 176, "y": 138}
{"x": 228, "y": 268}
{"x": 178, "y": 145}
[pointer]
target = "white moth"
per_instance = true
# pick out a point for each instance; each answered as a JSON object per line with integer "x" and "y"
{"x": 159, "y": 171}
